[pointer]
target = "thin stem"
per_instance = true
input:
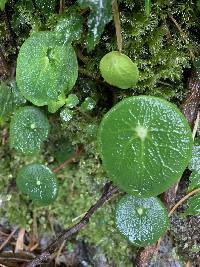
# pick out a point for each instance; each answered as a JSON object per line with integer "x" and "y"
{"x": 183, "y": 200}
{"x": 117, "y": 22}
{"x": 62, "y": 6}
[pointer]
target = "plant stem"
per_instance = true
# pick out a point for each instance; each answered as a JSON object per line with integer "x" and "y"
{"x": 116, "y": 18}
{"x": 62, "y": 6}
{"x": 183, "y": 200}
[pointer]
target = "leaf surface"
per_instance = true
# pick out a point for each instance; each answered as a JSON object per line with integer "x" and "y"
{"x": 100, "y": 15}
{"x": 145, "y": 144}
{"x": 45, "y": 69}
{"x": 38, "y": 182}
{"x": 28, "y": 129}
{"x": 141, "y": 220}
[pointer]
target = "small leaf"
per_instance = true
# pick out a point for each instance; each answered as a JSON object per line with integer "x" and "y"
{"x": 28, "y": 129}
{"x": 119, "y": 70}
{"x": 194, "y": 164}
{"x": 100, "y": 15}
{"x": 66, "y": 114}
{"x": 193, "y": 205}
{"x": 46, "y": 69}
{"x": 88, "y": 104}
{"x": 141, "y": 220}
{"x": 39, "y": 183}
{"x": 69, "y": 28}
{"x": 72, "y": 101}
{"x": 145, "y": 145}
{"x": 194, "y": 181}
{"x": 2, "y": 4}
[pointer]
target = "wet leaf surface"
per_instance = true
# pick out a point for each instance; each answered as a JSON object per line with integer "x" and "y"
{"x": 100, "y": 15}
{"x": 28, "y": 129}
{"x": 119, "y": 70}
{"x": 38, "y": 182}
{"x": 141, "y": 220}
{"x": 145, "y": 145}
{"x": 46, "y": 69}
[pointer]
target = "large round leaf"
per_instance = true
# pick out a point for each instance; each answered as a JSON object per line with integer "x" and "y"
{"x": 45, "y": 69}
{"x": 141, "y": 220}
{"x": 39, "y": 183}
{"x": 145, "y": 144}
{"x": 28, "y": 129}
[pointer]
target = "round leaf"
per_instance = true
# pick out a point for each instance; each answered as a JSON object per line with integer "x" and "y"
{"x": 145, "y": 145}
{"x": 45, "y": 69}
{"x": 117, "y": 69}
{"x": 39, "y": 183}
{"x": 28, "y": 129}
{"x": 141, "y": 220}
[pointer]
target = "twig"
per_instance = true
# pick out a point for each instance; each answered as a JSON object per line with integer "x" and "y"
{"x": 116, "y": 18}
{"x": 4, "y": 69}
{"x": 62, "y": 6}
{"x": 19, "y": 246}
{"x": 8, "y": 239}
{"x": 59, "y": 251}
{"x": 107, "y": 194}
{"x": 196, "y": 125}
{"x": 183, "y": 200}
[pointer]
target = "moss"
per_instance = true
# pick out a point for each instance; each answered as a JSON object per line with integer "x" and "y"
{"x": 162, "y": 55}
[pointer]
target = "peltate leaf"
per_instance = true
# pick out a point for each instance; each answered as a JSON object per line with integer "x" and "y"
{"x": 28, "y": 129}
{"x": 193, "y": 205}
{"x": 145, "y": 145}
{"x": 141, "y": 220}
{"x": 46, "y": 69}
{"x": 100, "y": 15}
{"x": 38, "y": 182}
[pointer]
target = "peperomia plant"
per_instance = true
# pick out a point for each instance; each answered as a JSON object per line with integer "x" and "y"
{"x": 143, "y": 142}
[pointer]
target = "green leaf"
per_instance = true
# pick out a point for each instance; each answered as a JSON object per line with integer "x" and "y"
{"x": 69, "y": 28}
{"x": 72, "y": 101}
{"x": 119, "y": 70}
{"x": 46, "y": 69}
{"x": 145, "y": 144}
{"x": 194, "y": 181}
{"x": 100, "y": 15}
{"x": 28, "y": 129}
{"x": 194, "y": 164}
{"x": 147, "y": 7}
{"x": 193, "y": 205}
{"x": 10, "y": 99}
{"x": 39, "y": 183}
{"x": 141, "y": 220}
{"x": 66, "y": 114}
{"x": 88, "y": 104}
{"x": 2, "y": 4}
